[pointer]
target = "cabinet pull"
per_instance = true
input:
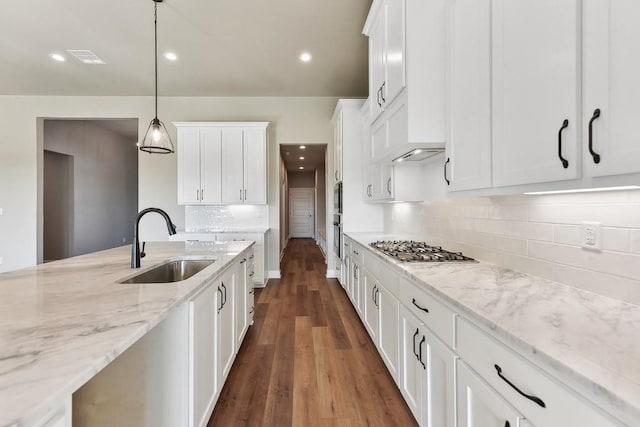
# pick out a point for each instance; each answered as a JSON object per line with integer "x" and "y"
{"x": 241, "y": 194}
{"x": 378, "y": 97}
{"x": 376, "y": 297}
{"x": 596, "y": 156}
{"x": 369, "y": 190}
{"x": 413, "y": 301}
{"x": 251, "y": 257}
{"x": 355, "y": 272}
{"x": 530, "y": 397}
{"x": 202, "y": 195}
{"x": 389, "y": 186}
{"x": 356, "y": 252}
{"x": 251, "y": 274}
{"x": 197, "y": 194}
{"x": 420, "y": 352}
{"x": 384, "y": 84}
{"x": 565, "y": 162}
{"x": 243, "y": 261}
{"x": 373, "y": 295}
{"x": 225, "y": 294}
{"x": 221, "y": 304}
{"x": 414, "y": 343}
{"x": 445, "y": 171}
{"x": 245, "y": 194}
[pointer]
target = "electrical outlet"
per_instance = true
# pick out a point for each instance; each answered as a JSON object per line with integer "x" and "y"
{"x": 124, "y": 240}
{"x": 591, "y": 235}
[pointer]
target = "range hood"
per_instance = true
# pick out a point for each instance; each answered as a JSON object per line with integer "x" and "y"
{"x": 420, "y": 154}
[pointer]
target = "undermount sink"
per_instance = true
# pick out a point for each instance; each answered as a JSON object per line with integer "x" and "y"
{"x": 172, "y": 271}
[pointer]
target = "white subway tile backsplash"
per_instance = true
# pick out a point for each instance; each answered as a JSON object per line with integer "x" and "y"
{"x": 539, "y": 235}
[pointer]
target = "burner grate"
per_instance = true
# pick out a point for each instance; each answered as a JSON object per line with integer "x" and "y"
{"x": 412, "y": 251}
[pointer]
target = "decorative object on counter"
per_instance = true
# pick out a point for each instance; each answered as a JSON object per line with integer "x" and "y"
{"x": 136, "y": 254}
{"x": 409, "y": 250}
{"x": 157, "y": 139}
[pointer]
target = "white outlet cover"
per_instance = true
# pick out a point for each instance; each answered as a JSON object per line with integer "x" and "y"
{"x": 591, "y": 235}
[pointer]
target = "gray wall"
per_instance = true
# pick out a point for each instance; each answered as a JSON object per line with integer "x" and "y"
{"x": 58, "y": 206}
{"x": 302, "y": 179}
{"x": 105, "y": 182}
{"x": 321, "y": 205}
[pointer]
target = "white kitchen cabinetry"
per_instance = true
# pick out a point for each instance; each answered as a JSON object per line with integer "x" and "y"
{"x": 225, "y": 312}
{"x": 479, "y": 405}
{"x": 468, "y": 164}
{"x": 387, "y": 53}
{"x": 242, "y": 295}
{"x": 199, "y": 180}
{"x": 370, "y": 307}
{"x": 611, "y": 87}
{"x": 535, "y": 81}
{"x": 427, "y": 375}
{"x": 338, "y": 125}
{"x": 244, "y": 164}
{"x": 204, "y": 384}
{"x": 388, "y": 318}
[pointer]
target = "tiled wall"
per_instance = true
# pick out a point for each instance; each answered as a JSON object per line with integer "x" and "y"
{"x": 207, "y": 218}
{"x": 538, "y": 235}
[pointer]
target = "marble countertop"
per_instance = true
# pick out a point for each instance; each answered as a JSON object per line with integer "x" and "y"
{"x": 62, "y": 322}
{"x": 227, "y": 230}
{"x": 589, "y": 341}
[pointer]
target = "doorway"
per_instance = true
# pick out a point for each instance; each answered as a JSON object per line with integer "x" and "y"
{"x": 302, "y": 212}
{"x": 89, "y": 187}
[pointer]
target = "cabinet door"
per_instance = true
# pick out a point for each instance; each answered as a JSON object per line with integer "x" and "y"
{"x": 478, "y": 404}
{"x": 376, "y": 63}
{"x": 610, "y": 82}
{"x": 188, "y": 166}
{"x": 412, "y": 377}
{"x": 388, "y": 328}
{"x": 370, "y": 306}
{"x": 203, "y": 381}
{"x": 469, "y": 142}
{"x": 535, "y": 84}
{"x": 255, "y": 166}
{"x": 394, "y": 50}
{"x": 337, "y": 149}
{"x": 210, "y": 166}
{"x": 232, "y": 166}
{"x": 226, "y": 335}
{"x": 440, "y": 365}
{"x": 241, "y": 294}
{"x": 398, "y": 123}
{"x": 379, "y": 142}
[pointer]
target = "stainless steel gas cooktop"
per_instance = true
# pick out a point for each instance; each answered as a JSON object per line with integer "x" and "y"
{"x": 409, "y": 250}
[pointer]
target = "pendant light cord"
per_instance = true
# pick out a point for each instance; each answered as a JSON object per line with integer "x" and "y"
{"x": 155, "y": 24}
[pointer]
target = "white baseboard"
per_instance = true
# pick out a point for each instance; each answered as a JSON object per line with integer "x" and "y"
{"x": 333, "y": 274}
{"x": 274, "y": 274}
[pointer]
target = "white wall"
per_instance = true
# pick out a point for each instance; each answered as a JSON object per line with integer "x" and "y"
{"x": 294, "y": 120}
{"x": 538, "y": 235}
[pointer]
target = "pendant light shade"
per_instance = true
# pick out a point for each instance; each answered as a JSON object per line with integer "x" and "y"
{"x": 157, "y": 139}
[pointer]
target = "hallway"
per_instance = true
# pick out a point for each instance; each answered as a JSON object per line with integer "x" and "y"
{"x": 308, "y": 360}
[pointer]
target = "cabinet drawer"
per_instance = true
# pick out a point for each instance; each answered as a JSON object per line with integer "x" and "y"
{"x": 491, "y": 359}
{"x": 382, "y": 272}
{"x": 357, "y": 253}
{"x": 435, "y": 315}
{"x": 257, "y": 237}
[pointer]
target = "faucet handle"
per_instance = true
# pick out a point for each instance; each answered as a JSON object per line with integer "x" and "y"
{"x": 142, "y": 254}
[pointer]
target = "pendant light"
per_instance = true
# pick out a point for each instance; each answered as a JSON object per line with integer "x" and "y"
{"x": 157, "y": 139}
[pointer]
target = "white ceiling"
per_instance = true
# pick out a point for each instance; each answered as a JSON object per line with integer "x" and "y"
{"x": 225, "y": 47}
{"x": 314, "y": 156}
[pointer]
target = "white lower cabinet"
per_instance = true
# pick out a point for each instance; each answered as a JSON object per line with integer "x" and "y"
{"x": 370, "y": 307}
{"x": 479, "y": 405}
{"x": 226, "y": 335}
{"x": 203, "y": 384}
{"x": 388, "y": 317}
{"x": 241, "y": 302}
{"x": 427, "y": 373}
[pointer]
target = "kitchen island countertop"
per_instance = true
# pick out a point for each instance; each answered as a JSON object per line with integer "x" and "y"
{"x": 62, "y": 322}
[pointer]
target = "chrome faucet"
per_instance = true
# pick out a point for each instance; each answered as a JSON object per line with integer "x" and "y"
{"x": 135, "y": 246}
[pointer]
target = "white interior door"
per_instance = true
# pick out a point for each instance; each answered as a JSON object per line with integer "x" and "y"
{"x": 301, "y": 210}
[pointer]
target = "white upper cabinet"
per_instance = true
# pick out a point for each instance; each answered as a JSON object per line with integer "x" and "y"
{"x": 222, "y": 162}
{"x": 535, "y": 91}
{"x": 611, "y": 88}
{"x": 469, "y": 85}
{"x": 198, "y": 166}
{"x": 394, "y": 49}
{"x": 338, "y": 136}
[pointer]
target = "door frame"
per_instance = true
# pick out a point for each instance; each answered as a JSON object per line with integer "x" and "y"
{"x": 311, "y": 192}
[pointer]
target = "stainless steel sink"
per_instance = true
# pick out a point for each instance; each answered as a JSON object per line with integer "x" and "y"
{"x": 172, "y": 271}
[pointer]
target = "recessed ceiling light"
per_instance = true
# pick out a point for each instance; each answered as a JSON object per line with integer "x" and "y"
{"x": 301, "y": 167}
{"x": 57, "y": 57}
{"x": 171, "y": 56}
{"x": 301, "y": 158}
{"x": 305, "y": 57}
{"x": 302, "y": 147}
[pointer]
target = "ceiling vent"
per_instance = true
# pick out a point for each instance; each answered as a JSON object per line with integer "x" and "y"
{"x": 86, "y": 57}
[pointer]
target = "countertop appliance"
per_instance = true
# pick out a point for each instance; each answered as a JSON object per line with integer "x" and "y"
{"x": 409, "y": 250}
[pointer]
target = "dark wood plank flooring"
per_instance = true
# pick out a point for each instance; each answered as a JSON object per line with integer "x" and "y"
{"x": 308, "y": 360}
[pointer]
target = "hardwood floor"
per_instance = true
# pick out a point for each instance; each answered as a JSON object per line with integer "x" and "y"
{"x": 308, "y": 360}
